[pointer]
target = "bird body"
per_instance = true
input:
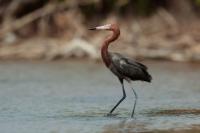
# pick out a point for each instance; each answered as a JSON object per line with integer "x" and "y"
{"x": 123, "y": 67}
{"x": 128, "y": 69}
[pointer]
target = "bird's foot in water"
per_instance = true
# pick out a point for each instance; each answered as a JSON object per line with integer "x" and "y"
{"x": 111, "y": 115}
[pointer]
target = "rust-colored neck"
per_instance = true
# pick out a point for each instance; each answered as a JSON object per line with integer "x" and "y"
{"x": 104, "y": 49}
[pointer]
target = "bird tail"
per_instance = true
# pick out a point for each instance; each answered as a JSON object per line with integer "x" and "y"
{"x": 148, "y": 77}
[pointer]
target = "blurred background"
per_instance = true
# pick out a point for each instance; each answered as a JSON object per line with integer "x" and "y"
{"x": 51, "y": 80}
{"x": 57, "y": 29}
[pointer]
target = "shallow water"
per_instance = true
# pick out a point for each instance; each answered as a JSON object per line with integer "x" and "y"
{"x": 63, "y": 97}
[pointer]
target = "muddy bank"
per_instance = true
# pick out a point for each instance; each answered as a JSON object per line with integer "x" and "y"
{"x": 160, "y": 36}
{"x": 132, "y": 127}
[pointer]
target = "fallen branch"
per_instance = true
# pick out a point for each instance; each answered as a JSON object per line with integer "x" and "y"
{"x": 19, "y": 23}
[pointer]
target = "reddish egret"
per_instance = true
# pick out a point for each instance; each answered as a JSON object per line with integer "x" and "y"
{"x": 124, "y": 68}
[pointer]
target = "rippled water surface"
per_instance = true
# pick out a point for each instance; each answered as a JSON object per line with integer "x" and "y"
{"x": 63, "y": 97}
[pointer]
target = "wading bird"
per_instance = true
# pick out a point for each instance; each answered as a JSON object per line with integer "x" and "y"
{"x": 124, "y": 68}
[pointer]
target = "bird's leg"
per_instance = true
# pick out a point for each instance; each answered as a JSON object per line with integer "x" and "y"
{"x": 124, "y": 96}
{"x": 136, "y": 97}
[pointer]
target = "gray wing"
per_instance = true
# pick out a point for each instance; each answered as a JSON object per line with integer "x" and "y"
{"x": 129, "y": 68}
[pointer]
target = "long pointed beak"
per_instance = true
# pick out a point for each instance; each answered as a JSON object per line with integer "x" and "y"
{"x": 92, "y": 28}
{"x": 104, "y": 27}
